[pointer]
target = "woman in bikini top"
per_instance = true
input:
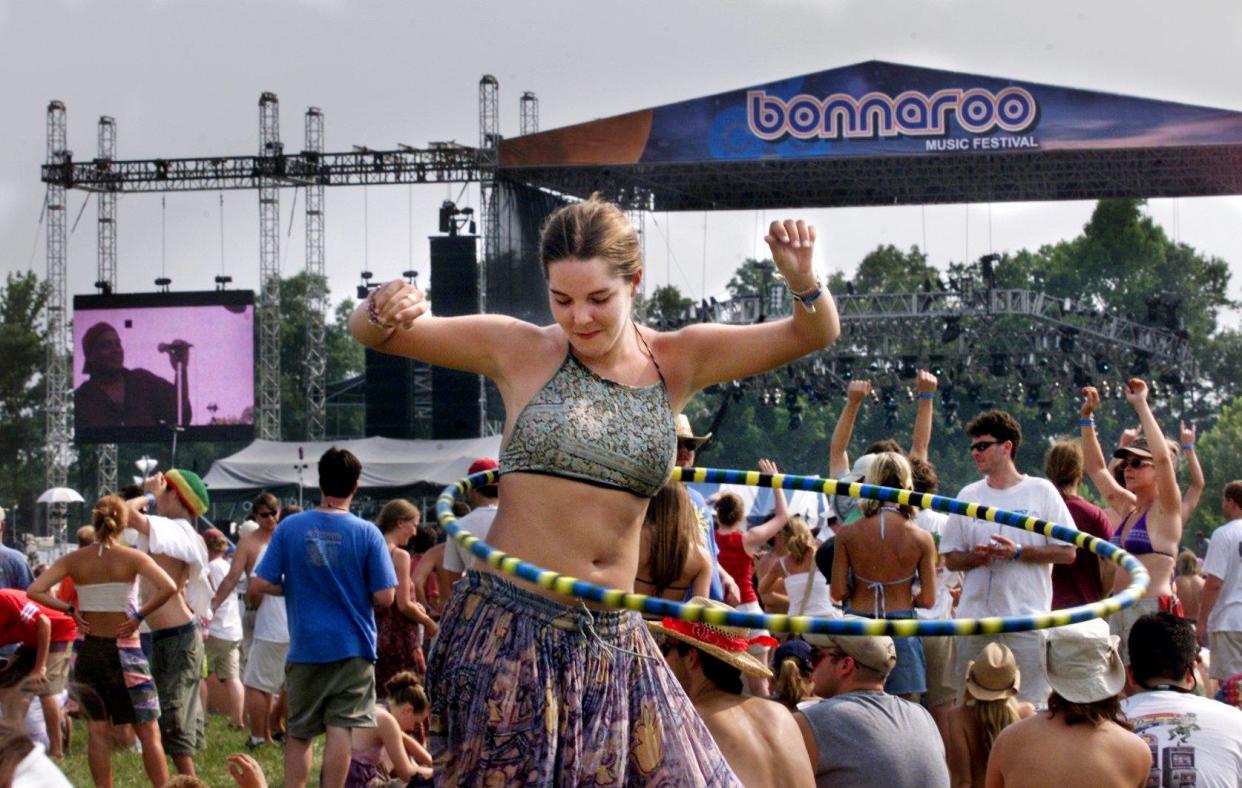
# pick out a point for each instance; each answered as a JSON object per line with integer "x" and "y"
{"x": 878, "y": 558}
{"x": 673, "y": 562}
{"x": 1151, "y": 528}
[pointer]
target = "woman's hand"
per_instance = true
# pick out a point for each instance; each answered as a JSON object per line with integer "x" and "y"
{"x": 1188, "y": 434}
{"x": 1090, "y": 401}
{"x": 767, "y": 466}
{"x": 857, "y": 390}
{"x": 1136, "y": 391}
{"x": 398, "y": 303}
{"x": 246, "y": 771}
{"x": 792, "y": 243}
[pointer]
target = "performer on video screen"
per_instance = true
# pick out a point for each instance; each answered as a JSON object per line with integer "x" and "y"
{"x": 114, "y": 396}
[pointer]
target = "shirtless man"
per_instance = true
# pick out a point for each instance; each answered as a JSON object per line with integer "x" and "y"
{"x": 758, "y": 737}
{"x": 265, "y": 662}
{"x": 1083, "y": 739}
{"x": 177, "y": 646}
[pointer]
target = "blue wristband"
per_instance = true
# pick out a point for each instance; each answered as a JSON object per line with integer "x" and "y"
{"x": 1188, "y": 447}
{"x": 926, "y": 395}
{"x": 1017, "y": 552}
{"x": 1086, "y": 422}
{"x": 137, "y": 615}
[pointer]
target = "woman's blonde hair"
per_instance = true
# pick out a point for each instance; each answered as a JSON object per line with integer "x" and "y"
{"x": 592, "y": 229}
{"x": 674, "y": 528}
{"x": 1187, "y": 563}
{"x": 789, "y": 686}
{"x": 109, "y": 518}
{"x": 394, "y": 512}
{"x": 993, "y": 716}
{"x": 889, "y": 469}
{"x": 798, "y": 538}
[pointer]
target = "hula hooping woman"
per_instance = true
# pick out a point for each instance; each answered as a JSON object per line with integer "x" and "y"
{"x": 526, "y": 684}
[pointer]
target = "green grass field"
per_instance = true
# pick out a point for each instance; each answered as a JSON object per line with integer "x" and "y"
{"x": 221, "y": 741}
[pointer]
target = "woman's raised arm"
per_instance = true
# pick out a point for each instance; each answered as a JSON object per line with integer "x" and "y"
{"x": 396, "y": 319}
{"x": 714, "y": 353}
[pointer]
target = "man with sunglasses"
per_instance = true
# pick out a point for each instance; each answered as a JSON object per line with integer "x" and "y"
{"x": 1006, "y": 571}
{"x": 264, "y": 674}
{"x": 860, "y": 734}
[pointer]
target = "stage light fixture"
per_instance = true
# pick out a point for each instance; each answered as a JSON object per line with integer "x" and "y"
{"x": 952, "y": 330}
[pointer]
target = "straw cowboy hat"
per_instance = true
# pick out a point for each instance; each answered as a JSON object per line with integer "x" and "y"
{"x": 727, "y": 644}
{"x": 686, "y": 433}
{"x": 993, "y": 675}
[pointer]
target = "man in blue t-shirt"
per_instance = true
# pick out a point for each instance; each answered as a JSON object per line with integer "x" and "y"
{"x": 331, "y": 567}
{"x": 14, "y": 568}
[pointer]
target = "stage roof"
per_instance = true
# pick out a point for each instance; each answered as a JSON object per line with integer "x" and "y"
{"x": 884, "y": 133}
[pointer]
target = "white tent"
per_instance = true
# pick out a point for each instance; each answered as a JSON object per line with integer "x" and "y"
{"x": 386, "y": 463}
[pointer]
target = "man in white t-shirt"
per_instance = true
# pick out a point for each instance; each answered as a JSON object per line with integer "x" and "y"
{"x": 1194, "y": 740}
{"x": 1006, "y": 571}
{"x": 1220, "y": 612}
{"x": 478, "y": 522}
{"x": 224, "y": 635}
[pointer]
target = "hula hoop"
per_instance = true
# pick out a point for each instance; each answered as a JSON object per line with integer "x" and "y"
{"x": 624, "y": 600}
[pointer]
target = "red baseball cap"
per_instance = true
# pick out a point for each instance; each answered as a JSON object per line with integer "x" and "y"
{"x": 483, "y": 464}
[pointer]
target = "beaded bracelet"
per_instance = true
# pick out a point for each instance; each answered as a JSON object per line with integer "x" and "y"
{"x": 373, "y": 312}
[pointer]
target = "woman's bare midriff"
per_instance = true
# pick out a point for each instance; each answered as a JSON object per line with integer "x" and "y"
{"x": 1160, "y": 567}
{"x": 577, "y": 529}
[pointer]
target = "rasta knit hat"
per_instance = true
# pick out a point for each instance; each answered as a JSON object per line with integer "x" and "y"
{"x": 190, "y": 489}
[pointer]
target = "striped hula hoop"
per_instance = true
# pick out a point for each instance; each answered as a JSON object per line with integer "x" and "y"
{"x": 626, "y": 600}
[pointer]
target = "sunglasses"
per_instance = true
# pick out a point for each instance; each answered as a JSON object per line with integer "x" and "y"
{"x": 982, "y": 445}
{"x": 832, "y": 655}
{"x": 1136, "y": 463}
{"x": 266, "y": 514}
{"x": 685, "y": 445}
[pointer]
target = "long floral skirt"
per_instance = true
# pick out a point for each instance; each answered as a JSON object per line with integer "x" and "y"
{"x": 527, "y": 691}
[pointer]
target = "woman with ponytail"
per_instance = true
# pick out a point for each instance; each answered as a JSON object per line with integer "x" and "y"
{"x": 386, "y": 752}
{"x": 111, "y": 679}
{"x": 792, "y": 665}
{"x": 989, "y": 705}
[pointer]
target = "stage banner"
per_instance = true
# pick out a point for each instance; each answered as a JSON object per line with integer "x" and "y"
{"x": 876, "y": 109}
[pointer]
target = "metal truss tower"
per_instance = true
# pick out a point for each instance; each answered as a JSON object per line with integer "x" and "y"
{"x": 317, "y": 305}
{"x": 530, "y": 113}
{"x": 56, "y": 372}
{"x": 105, "y": 280}
{"x": 269, "y": 383}
{"x": 489, "y": 143}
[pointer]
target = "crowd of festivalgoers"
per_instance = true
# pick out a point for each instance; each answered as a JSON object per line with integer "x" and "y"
{"x": 315, "y": 623}
{"x": 418, "y": 664}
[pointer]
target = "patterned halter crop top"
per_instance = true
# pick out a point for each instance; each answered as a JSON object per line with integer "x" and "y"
{"x": 583, "y": 427}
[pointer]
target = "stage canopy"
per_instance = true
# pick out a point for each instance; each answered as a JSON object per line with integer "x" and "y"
{"x": 884, "y": 133}
{"x": 387, "y": 464}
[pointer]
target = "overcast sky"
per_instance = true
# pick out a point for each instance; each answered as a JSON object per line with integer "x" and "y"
{"x": 183, "y": 78}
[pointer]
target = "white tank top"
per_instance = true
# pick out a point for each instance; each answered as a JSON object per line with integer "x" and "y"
{"x": 271, "y": 623}
{"x": 816, "y": 602}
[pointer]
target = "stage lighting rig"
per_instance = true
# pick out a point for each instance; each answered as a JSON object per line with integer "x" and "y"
{"x": 163, "y": 283}
{"x": 366, "y": 287}
{"x": 104, "y": 287}
{"x": 453, "y": 219}
{"x": 222, "y": 282}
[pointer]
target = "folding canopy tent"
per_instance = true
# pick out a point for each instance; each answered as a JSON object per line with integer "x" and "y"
{"x": 389, "y": 466}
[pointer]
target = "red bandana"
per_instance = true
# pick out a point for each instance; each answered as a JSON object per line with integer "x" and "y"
{"x": 708, "y": 634}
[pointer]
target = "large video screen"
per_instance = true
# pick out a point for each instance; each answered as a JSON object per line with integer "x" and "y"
{"x": 147, "y": 364}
